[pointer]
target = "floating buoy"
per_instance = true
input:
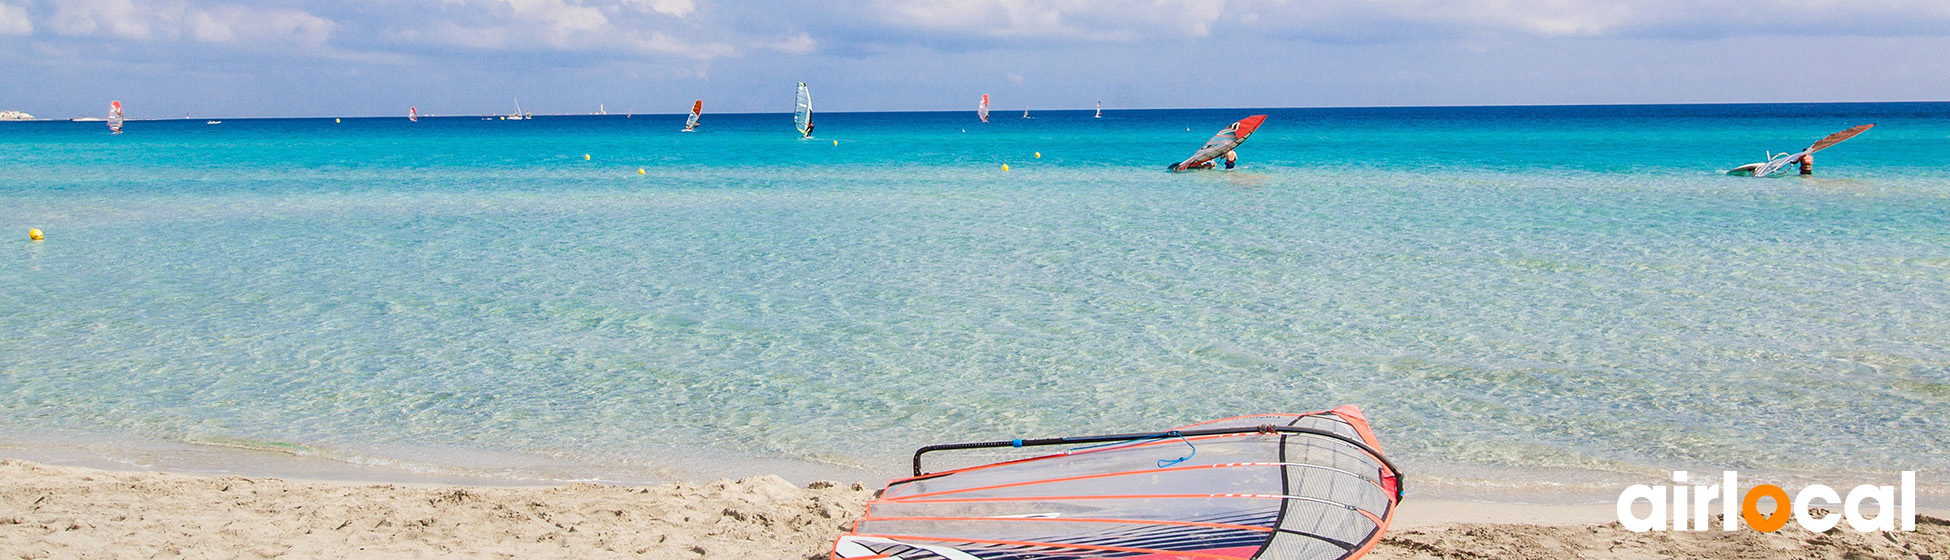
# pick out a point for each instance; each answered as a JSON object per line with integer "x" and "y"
{"x": 639, "y": 171}
{"x": 585, "y": 157}
{"x": 337, "y": 121}
{"x": 34, "y": 234}
{"x": 836, "y": 142}
{"x": 1039, "y": 155}
{"x": 1005, "y": 167}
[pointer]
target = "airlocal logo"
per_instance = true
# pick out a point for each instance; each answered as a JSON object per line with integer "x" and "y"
{"x": 1682, "y": 503}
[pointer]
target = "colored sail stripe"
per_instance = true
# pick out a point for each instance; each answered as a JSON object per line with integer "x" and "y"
{"x": 1105, "y": 548}
{"x": 1376, "y": 484}
{"x": 1115, "y": 474}
{"x": 1128, "y": 497}
{"x": 1075, "y": 478}
{"x": 1082, "y": 520}
{"x": 1073, "y": 453}
{"x": 1271, "y": 415}
{"x": 898, "y": 482}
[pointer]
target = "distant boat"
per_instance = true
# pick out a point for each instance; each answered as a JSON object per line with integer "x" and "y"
{"x": 600, "y": 110}
{"x": 212, "y": 122}
{"x": 115, "y": 117}
{"x": 413, "y": 114}
{"x": 518, "y": 114}
{"x": 983, "y": 109}
{"x": 802, "y": 115}
{"x": 696, "y": 110}
{"x": 1100, "y": 110}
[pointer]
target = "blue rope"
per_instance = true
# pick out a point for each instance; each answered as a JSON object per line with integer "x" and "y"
{"x": 1162, "y": 463}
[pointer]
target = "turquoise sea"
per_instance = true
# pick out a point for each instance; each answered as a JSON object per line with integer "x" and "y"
{"x": 1520, "y": 297}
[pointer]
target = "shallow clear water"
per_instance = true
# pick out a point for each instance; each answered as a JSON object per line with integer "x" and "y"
{"x": 1503, "y": 289}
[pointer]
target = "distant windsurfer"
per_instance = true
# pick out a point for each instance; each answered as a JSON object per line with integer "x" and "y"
{"x": 1807, "y": 165}
{"x": 809, "y": 126}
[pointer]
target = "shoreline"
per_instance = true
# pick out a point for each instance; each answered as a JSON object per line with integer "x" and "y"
{"x": 1463, "y": 483}
{"x": 52, "y": 510}
{"x": 1517, "y": 486}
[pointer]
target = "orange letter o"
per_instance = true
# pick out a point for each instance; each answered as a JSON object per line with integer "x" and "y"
{"x": 1749, "y": 508}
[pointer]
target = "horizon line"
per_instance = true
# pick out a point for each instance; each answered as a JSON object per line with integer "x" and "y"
{"x": 1085, "y": 109}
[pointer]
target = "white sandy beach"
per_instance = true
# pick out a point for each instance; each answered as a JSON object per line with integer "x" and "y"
{"x": 75, "y": 512}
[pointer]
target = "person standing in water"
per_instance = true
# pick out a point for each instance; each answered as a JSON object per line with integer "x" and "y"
{"x": 809, "y": 125}
{"x": 1232, "y": 158}
{"x": 1808, "y": 165}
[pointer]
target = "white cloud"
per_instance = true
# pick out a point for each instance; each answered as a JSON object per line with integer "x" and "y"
{"x": 1086, "y": 20}
{"x": 123, "y": 19}
{"x": 229, "y": 24}
{"x": 170, "y": 20}
{"x": 951, "y": 21}
{"x": 13, "y": 21}
{"x": 678, "y": 8}
{"x": 796, "y": 44}
{"x": 563, "y": 25}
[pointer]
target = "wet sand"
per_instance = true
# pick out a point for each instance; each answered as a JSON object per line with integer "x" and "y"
{"x": 76, "y": 512}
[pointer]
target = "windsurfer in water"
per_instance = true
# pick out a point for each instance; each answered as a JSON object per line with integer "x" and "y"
{"x": 1232, "y": 158}
{"x": 809, "y": 125}
{"x": 1808, "y": 164}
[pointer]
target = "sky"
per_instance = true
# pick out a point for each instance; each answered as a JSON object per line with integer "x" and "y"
{"x": 212, "y": 58}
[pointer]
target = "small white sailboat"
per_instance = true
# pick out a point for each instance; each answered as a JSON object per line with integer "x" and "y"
{"x": 518, "y": 115}
{"x": 1025, "y": 112}
{"x": 114, "y": 117}
{"x": 601, "y": 110}
{"x": 1100, "y": 110}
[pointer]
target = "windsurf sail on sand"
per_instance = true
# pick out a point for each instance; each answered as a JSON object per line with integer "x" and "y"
{"x": 1777, "y": 163}
{"x": 413, "y": 114}
{"x": 802, "y": 116}
{"x": 1222, "y": 142}
{"x": 697, "y": 108}
{"x": 983, "y": 109}
{"x": 1265, "y": 486}
{"x": 115, "y": 117}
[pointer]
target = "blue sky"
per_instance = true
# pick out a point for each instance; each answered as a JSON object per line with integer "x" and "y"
{"x": 171, "y": 58}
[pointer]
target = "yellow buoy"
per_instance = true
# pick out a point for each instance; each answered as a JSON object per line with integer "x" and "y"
{"x": 639, "y": 171}
{"x": 1005, "y": 167}
{"x": 585, "y": 157}
{"x": 33, "y": 234}
{"x": 836, "y": 142}
{"x": 1039, "y": 155}
{"x": 337, "y": 121}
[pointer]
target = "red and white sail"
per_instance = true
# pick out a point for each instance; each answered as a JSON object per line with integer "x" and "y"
{"x": 697, "y": 110}
{"x": 115, "y": 117}
{"x": 983, "y": 109}
{"x": 1265, "y": 487}
{"x": 413, "y": 114}
{"x": 1223, "y": 142}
